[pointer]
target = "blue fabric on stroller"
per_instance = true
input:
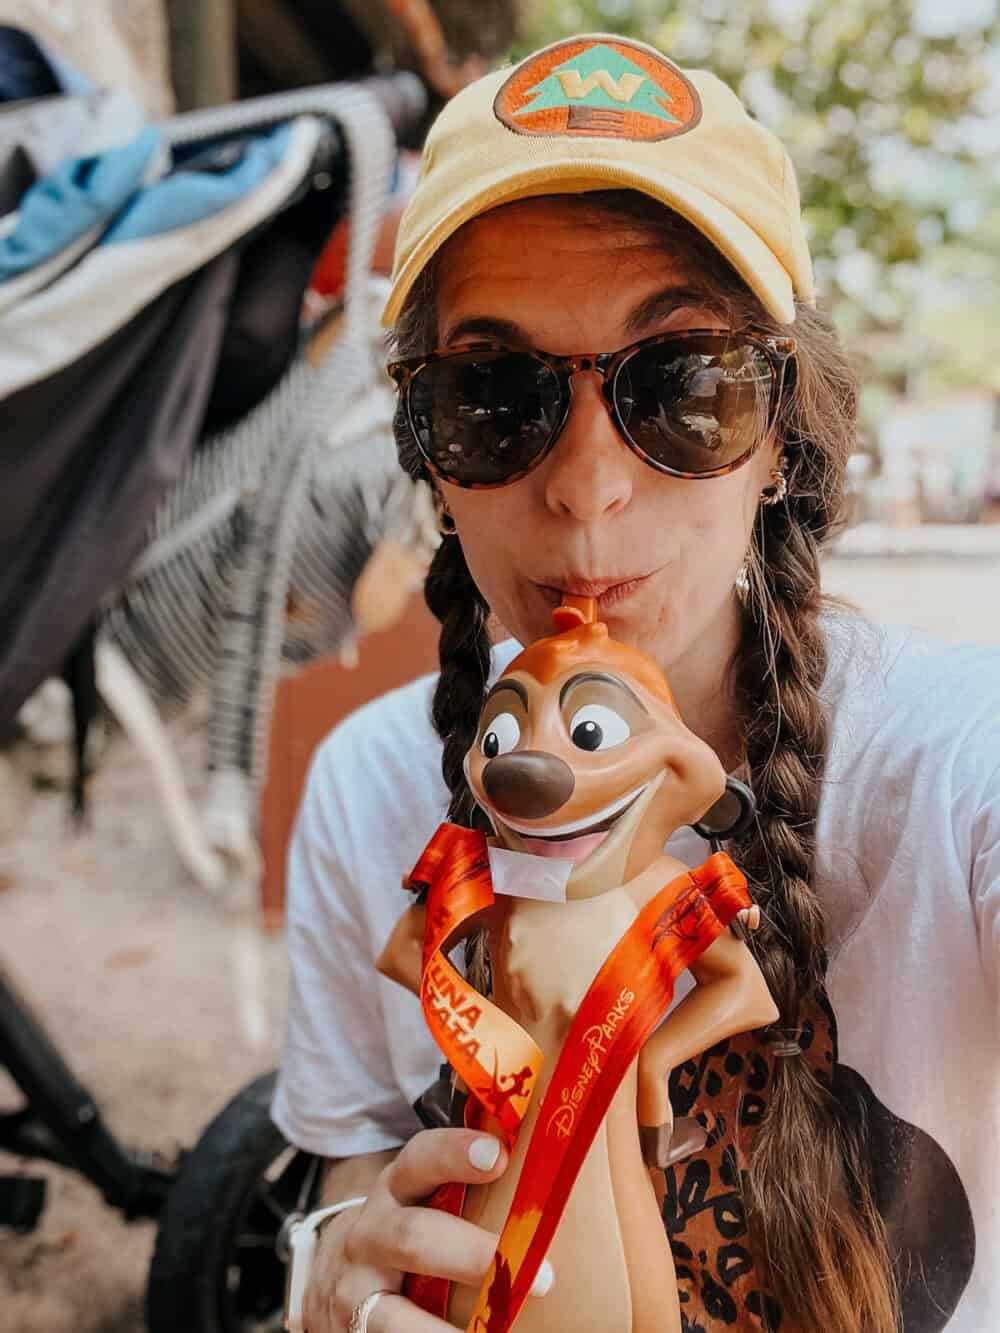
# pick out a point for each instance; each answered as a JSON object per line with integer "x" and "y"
{"x": 78, "y": 195}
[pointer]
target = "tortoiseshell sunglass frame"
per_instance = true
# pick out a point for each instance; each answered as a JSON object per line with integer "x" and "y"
{"x": 778, "y": 352}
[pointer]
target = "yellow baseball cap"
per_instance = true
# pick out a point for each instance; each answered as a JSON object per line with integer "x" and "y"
{"x": 600, "y": 112}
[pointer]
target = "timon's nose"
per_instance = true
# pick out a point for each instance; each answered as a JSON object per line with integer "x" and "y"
{"x": 528, "y": 784}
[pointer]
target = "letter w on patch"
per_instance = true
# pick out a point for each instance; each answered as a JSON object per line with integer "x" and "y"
{"x": 575, "y": 87}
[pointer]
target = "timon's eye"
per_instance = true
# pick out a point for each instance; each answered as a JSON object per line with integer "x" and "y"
{"x": 504, "y": 733}
{"x": 597, "y": 727}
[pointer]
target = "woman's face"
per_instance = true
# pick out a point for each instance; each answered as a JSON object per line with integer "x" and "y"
{"x": 660, "y": 553}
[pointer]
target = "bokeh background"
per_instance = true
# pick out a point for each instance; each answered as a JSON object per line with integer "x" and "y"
{"x": 891, "y": 111}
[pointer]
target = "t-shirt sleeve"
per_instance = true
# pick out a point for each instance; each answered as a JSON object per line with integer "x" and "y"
{"x": 336, "y": 1093}
{"x": 985, "y": 886}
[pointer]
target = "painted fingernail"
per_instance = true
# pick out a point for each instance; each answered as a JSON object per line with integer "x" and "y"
{"x": 483, "y": 1153}
{"x": 544, "y": 1279}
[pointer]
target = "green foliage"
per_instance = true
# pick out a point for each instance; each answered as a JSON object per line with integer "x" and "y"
{"x": 881, "y": 119}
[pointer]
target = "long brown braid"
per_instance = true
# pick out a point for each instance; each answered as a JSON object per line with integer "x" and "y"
{"x": 818, "y": 1236}
{"x": 454, "y": 598}
{"x": 809, "y": 1200}
{"x": 464, "y": 651}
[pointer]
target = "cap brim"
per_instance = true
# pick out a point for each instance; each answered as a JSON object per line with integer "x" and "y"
{"x": 755, "y": 262}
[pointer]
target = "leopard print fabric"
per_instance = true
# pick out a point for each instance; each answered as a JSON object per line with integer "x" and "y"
{"x": 725, "y": 1089}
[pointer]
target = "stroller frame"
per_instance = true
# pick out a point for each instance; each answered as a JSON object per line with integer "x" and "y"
{"x": 61, "y": 1123}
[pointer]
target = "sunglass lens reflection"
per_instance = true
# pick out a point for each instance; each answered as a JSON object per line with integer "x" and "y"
{"x": 484, "y": 417}
{"x": 694, "y": 407}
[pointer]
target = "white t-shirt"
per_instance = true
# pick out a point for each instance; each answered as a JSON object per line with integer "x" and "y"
{"x": 908, "y": 871}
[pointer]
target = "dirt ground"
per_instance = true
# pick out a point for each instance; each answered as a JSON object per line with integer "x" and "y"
{"x": 132, "y": 970}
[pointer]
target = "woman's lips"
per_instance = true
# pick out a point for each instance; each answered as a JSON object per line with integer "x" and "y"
{"x": 608, "y": 592}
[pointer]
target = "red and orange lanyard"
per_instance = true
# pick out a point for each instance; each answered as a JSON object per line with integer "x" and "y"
{"x": 499, "y": 1062}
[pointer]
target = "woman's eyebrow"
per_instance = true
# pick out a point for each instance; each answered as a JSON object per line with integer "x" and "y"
{"x": 487, "y": 326}
{"x": 652, "y": 309}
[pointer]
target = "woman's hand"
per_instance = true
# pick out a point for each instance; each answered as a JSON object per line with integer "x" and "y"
{"x": 370, "y": 1248}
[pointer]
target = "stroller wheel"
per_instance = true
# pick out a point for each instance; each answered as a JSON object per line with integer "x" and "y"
{"x": 215, "y": 1267}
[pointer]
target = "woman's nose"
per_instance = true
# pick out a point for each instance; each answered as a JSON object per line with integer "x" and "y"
{"x": 589, "y": 473}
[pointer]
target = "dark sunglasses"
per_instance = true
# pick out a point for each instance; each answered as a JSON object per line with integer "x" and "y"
{"x": 695, "y": 404}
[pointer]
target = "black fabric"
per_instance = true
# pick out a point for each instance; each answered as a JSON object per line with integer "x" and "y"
{"x": 87, "y": 455}
{"x": 16, "y": 179}
{"x": 79, "y": 671}
{"x": 25, "y": 75}
{"x": 24, "y": 71}
{"x": 262, "y": 335}
{"x": 332, "y": 24}
{"x": 920, "y": 1195}
{"x": 337, "y": 48}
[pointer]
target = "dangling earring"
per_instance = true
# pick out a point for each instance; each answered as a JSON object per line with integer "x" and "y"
{"x": 445, "y": 522}
{"x": 776, "y": 492}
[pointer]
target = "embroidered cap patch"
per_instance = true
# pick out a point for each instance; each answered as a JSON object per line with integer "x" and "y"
{"x": 611, "y": 88}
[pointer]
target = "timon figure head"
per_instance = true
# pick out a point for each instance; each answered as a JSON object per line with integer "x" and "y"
{"x": 581, "y": 754}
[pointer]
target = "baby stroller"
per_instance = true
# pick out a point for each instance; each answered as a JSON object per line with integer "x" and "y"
{"x": 151, "y": 281}
{"x": 178, "y": 474}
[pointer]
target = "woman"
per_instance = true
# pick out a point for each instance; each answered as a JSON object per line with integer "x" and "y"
{"x": 594, "y": 198}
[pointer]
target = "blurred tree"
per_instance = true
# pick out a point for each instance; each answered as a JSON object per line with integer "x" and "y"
{"x": 885, "y": 107}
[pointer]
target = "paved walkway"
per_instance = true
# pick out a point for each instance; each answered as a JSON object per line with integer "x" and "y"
{"x": 979, "y": 540}
{"x": 954, "y": 597}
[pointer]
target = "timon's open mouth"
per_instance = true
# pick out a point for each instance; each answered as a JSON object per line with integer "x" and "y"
{"x": 577, "y": 839}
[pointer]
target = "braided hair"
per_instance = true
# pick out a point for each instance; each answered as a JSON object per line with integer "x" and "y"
{"x": 464, "y": 650}
{"x": 449, "y": 590}
{"x": 454, "y": 598}
{"x": 809, "y": 1202}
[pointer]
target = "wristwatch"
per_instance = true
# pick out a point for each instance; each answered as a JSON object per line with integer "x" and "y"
{"x": 297, "y": 1247}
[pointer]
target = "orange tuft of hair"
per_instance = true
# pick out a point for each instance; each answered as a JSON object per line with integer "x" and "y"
{"x": 582, "y": 640}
